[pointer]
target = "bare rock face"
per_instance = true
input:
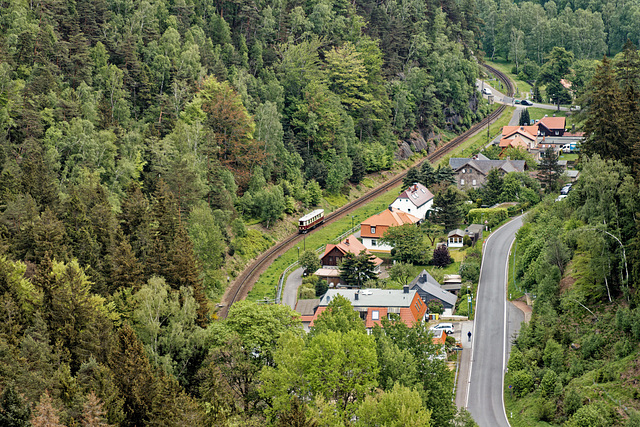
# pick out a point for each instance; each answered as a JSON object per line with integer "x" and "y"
{"x": 416, "y": 143}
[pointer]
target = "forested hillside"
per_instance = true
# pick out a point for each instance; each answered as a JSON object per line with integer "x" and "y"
{"x": 233, "y": 112}
{"x": 138, "y": 142}
{"x": 577, "y": 362}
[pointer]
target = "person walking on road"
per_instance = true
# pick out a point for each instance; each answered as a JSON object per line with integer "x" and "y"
{"x": 469, "y": 335}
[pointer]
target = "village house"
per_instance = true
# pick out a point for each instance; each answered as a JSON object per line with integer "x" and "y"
{"x": 455, "y": 238}
{"x": 472, "y": 172}
{"x": 332, "y": 258}
{"x": 416, "y": 200}
{"x": 551, "y": 126}
{"x": 373, "y": 305}
{"x": 524, "y": 137}
{"x": 429, "y": 289}
{"x": 373, "y": 228}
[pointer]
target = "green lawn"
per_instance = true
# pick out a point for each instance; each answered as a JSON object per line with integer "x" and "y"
{"x": 476, "y": 143}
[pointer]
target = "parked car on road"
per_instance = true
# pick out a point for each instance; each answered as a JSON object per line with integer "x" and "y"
{"x": 487, "y": 91}
{"x": 447, "y": 327}
{"x": 526, "y": 102}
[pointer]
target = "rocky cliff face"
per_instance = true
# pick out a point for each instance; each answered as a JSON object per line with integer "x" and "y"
{"x": 416, "y": 143}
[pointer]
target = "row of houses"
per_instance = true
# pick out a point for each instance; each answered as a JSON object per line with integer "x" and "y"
{"x": 548, "y": 132}
{"x": 373, "y": 305}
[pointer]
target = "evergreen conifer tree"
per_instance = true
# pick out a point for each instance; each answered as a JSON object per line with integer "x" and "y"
{"x": 413, "y": 175}
{"x": 604, "y": 130}
{"x": 428, "y": 174}
{"x": 14, "y": 411}
{"x": 549, "y": 170}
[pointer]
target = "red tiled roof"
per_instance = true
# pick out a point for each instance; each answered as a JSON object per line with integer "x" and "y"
{"x": 516, "y": 142}
{"x": 407, "y": 316}
{"x": 389, "y": 217}
{"x": 529, "y": 131}
{"x": 553, "y": 122}
{"x": 369, "y": 322}
{"x": 318, "y": 313}
{"x": 441, "y": 338}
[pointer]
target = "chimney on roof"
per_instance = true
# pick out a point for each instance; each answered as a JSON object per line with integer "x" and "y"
{"x": 422, "y": 278}
{"x": 405, "y": 289}
{"x": 415, "y": 187}
{"x": 356, "y": 296}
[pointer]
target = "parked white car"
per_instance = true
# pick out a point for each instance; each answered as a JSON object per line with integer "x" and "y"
{"x": 446, "y": 327}
{"x": 487, "y": 91}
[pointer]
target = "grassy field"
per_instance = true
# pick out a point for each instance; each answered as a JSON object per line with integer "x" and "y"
{"x": 477, "y": 142}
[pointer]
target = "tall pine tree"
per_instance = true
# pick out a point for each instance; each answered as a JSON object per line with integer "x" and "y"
{"x": 604, "y": 129}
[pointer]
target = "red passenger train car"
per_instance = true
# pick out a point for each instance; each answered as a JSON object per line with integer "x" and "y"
{"x": 311, "y": 220}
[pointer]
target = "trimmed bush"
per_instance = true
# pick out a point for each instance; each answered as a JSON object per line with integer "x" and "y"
{"x": 493, "y": 216}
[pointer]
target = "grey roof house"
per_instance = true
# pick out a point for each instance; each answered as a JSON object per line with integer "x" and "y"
{"x": 429, "y": 289}
{"x": 472, "y": 172}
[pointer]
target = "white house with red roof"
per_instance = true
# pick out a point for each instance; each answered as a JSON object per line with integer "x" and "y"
{"x": 373, "y": 228}
{"x": 415, "y": 200}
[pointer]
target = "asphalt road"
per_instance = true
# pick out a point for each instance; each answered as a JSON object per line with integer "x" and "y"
{"x": 492, "y": 331}
{"x": 501, "y": 98}
{"x": 290, "y": 291}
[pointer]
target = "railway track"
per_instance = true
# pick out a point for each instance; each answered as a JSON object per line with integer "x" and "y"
{"x": 240, "y": 287}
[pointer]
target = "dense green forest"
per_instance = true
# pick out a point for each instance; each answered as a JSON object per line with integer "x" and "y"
{"x": 138, "y": 141}
{"x": 238, "y": 112}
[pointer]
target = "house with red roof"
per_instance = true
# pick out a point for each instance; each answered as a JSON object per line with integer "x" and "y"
{"x": 332, "y": 258}
{"x": 415, "y": 200}
{"x": 525, "y": 137}
{"x": 376, "y": 304}
{"x": 552, "y": 126}
{"x": 373, "y": 228}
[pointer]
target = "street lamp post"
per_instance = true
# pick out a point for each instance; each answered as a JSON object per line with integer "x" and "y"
{"x": 469, "y": 298}
{"x": 351, "y": 222}
{"x": 298, "y": 248}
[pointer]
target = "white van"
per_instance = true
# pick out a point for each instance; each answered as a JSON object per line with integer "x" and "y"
{"x": 446, "y": 327}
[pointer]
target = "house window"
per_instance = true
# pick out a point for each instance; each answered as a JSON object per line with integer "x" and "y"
{"x": 373, "y": 229}
{"x": 409, "y": 210}
{"x": 474, "y": 182}
{"x": 463, "y": 171}
{"x": 375, "y": 315}
{"x": 330, "y": 259}
{"x": 374, "y": 242}
{"x": 462, "y": 182}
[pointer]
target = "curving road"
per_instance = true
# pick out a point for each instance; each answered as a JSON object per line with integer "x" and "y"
{"x": 501, "y": 98}
{"x": 493, "y": 326}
